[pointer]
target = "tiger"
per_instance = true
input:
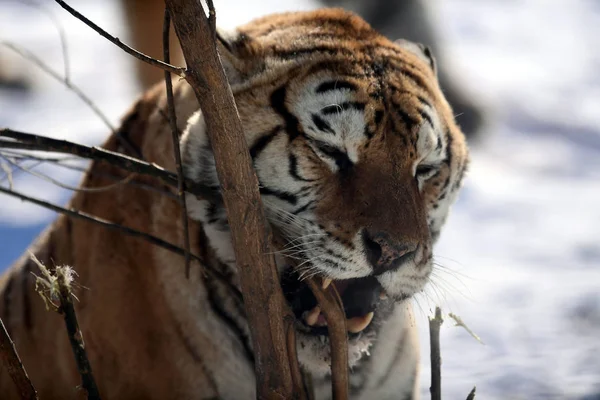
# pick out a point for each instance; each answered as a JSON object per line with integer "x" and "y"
{"x": 359, "y": 160}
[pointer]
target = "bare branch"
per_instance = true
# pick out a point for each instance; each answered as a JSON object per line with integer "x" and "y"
{"x": 129, "y": 50}
{"x": 17, "y": 156}
{"x": 26, "y": 54}
{"x": 61, "y": 288}
{"x": 333, "y": 309}
{"x": 8, "y": 174}
{"x": 471, "y": 395}
{"x": 126, "y": 230}
{"x": 460, "y": 322}
{"x": 61, "y": 33}
{"x": 176, "y": 149}
{"x": 14, "y": 367}
{"x": 212, "y": 18}
{"x": 436, "y": 359}
{"x": 27, "y": 141}
{"x": 69, "y": 187}
{"x": 75, "y": 89}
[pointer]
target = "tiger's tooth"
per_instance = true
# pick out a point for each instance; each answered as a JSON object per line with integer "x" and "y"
{"x": 326, "y": 283}
{"x": 358, "y": 324}
{"x": 312, "y": 316}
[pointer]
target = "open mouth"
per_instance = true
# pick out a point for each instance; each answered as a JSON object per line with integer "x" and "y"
{"x": 360, "y": 297}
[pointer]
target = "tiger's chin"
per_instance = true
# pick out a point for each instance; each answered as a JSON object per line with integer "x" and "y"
{"x": 367, "y": 308}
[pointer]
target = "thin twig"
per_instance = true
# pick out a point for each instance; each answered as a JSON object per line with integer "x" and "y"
{"x": 471, "y": 395}
{"x": 60, "y": 162}
{"x": 436, "y": 359}
{"x": 26, "y": 54}
{"x": 75, "y": 89}
{"x": 47, "y": 178}
{"x": 60, "y": 286}
{"x": 14, "y": 366}
{"x": 126, "y": 230}
{"x": 176, "y": 149}
{"x": 8, "y": 172}
{"x": 459, "y": 322}
{"x": 129, "y": 50}
{"x": 212, "y": 18}
{"x": 61, "y": 33}
{"x": 27, "y": 141}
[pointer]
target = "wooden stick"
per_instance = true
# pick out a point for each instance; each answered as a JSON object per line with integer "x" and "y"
{"x": 471, "y": 395}
{"x": 15, "y": 367}
{"x": 263, "y": 298}
{"x": 176, "y": 149}
{"x": 436, "y": 359}
{"x": 75, "y": 337}
{"x": 333, "y": 309}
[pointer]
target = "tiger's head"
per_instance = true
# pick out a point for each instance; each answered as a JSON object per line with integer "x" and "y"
{"x": 358, "y": 158}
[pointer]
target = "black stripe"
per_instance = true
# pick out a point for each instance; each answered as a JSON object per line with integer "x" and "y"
{"x": 293, "y": 169}
{"x": 423, "y": 101}
{"x": 337, "y": 108}
{"x": 426, "y": 117}
{"x": 212, "y": 213}
{"x": 335, "y": 85}
{"x": 449, "y": 139}
{"x": 438, "y": 146}
{"x": 408, "y": 121}
{"x": 263, "y": 141}
{"x": 322, "y": 125}
{"x": 303, "y": 208}
{"x": 292, "y": 125}
{"x": 285, "y": 196}
{"x": 216, "y": 302}
{"x": 378, "y": 117}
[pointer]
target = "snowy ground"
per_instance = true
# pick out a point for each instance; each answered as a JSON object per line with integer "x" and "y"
{"x": 521, "y": 252}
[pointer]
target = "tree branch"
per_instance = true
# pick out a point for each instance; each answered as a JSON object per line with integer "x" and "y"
{"x": 436, "y": 359}
{"x": 58, "y": 286}
{"x": 176, "y": 149}
{"x": 126, "y": 230}
{"x": 14, "y": 366}
{"x": 27, "y": 141}
{"x": 333, "y": 309}
{"x": 471, "y": 395}
{"x": 129, "y": 50}
{"x": 263, "y": 298}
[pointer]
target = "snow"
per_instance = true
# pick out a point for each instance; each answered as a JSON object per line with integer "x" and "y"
{"x": 519, "y": 256}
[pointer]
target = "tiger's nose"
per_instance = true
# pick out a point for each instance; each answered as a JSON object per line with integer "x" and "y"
{"x": 385, "y": 254}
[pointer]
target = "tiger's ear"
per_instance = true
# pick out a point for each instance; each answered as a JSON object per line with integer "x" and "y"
{"x": 240, "y": 56}
{"x": 420, "y": 50}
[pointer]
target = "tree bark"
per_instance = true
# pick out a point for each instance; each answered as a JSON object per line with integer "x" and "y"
{"x": 265, "y": 305}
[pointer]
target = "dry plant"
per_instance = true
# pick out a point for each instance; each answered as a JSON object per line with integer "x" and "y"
{"x": 55, "y": 288}
{"x": 278, "y": 374}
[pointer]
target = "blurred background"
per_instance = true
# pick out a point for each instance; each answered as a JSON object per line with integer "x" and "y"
{"x": 519, "y": 259}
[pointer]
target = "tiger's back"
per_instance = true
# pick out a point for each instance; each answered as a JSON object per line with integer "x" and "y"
{"x": 358, "y": 158}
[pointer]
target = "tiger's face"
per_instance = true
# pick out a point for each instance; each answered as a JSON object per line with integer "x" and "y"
{"x": 358, "y": 158}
